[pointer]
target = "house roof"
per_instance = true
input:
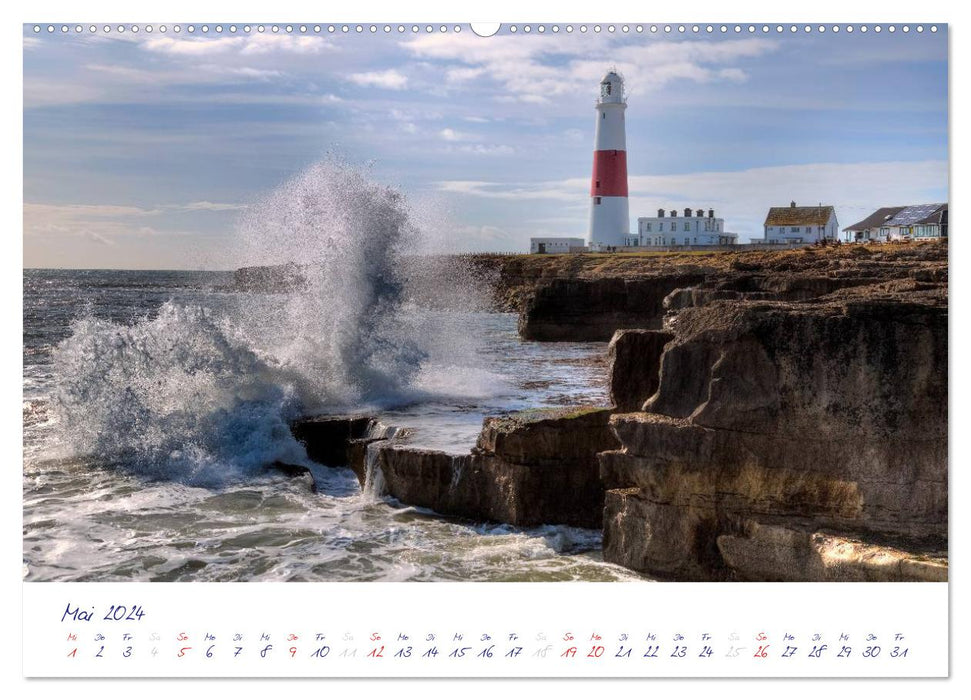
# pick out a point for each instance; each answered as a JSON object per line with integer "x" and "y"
{"x": 878, "y": 218}
{"x": 914, "y": 214}
{"x": 939, "y": 216}
{"x": 902, "y": 216}
{"x": 799, "y": 216}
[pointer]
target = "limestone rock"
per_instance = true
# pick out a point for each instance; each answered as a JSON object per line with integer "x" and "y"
{"x": 586, "y": 310}
{"x": 295, "y": 471}
{"x": 634, "y": 358}
{"x": 326, "y": 438}
{"x": 830, "y": 414}
{"x": 785, "y": 553}
{"x": 530, "y": 468}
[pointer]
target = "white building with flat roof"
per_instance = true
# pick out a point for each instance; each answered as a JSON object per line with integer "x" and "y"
{"x": 557, "y": 245}
{"x": 690, "y": 229}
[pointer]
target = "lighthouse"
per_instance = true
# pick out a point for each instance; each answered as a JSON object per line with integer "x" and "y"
{"x": 609, "y": 212}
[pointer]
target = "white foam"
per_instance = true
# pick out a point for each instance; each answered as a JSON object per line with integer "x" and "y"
{"x": 205, "y": 395}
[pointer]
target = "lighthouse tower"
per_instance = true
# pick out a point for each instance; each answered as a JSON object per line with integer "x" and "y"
{"x": 609, "y": 212}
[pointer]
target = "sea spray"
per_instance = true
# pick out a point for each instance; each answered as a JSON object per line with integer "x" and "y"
{"x": 374, "y": 484}
{"x": 380, "y": 436}
{"x": 175, "y": 396}
{"x": 342, "y": 332}
{"x": 205, "y": 395}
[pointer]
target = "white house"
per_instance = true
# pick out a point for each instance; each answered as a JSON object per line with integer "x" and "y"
{"x": 557, "y": 245}
{"x": 794, "y": 225}
{"x": 692, "y": 229}
{"x": 918, "y": 221}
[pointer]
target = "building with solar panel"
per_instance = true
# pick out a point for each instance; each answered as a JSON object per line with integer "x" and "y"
{"x": 915, "y": 222}
{"x": 796, "y": 226}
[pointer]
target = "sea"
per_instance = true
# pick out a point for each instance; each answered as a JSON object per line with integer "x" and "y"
{"x": 154, "y": 400}
{"x": 148, "y": 417}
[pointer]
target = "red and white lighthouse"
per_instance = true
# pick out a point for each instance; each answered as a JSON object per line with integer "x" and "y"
{"x": 609, "y": 211}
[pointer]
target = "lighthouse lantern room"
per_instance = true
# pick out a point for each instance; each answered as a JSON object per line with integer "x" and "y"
{"x": 609, "y": 211}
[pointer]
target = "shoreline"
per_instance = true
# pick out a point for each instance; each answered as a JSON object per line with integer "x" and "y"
{"x": 757, "y": 472}
{"x": 772, "y": 416}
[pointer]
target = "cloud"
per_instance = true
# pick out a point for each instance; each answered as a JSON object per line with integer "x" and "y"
{"x": 257, "y": 44}
{"x": 104, "y": 223}
{"x": 286, "y": 43}
{"x": 40, "y": 92}
{"x": 389, "y": 79}
{"x": 195, "y": 46}
{"x": 205, "y": 206}
{"x": 563, "y": 190}
{"x": 541, "y": 69}
{"x": 461, "y": 75}
{"x": 453, "y": 135}
{"x": 246, "y": 72}
{"x": 97, "y": 238}
{"x": 481, "y": 149}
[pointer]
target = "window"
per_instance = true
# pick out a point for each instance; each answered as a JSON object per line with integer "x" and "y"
{"x": 648, "y": 226}
{"x": 793, "y": 229}
{"x": 687, "y": 227}
{"x": 596, "y": 200}
{"x": 660, "y": 226}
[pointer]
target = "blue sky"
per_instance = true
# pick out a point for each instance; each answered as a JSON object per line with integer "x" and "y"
{"x": 143, "y": 150}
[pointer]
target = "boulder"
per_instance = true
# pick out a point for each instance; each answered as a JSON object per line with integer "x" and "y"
{"x": 327, "y": 438}
{"x": 295, "y": 471}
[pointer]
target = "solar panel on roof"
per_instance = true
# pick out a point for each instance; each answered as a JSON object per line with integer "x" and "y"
{"x": 911, "y": 215}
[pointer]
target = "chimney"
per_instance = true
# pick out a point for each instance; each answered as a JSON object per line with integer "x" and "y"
{"x": 660, "y": 213}
{"x": 792, "y": 204}
{"x": 711, "y": 213}
{"x": 687, "y": 211}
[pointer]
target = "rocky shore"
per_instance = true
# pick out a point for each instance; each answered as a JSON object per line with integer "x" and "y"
{"x": 776, "y": 416}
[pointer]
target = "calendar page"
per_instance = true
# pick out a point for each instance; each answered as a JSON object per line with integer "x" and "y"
{"x": 540, "y": 349}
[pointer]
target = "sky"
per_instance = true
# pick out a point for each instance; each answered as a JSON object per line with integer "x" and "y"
{"x": 144, "y": 150}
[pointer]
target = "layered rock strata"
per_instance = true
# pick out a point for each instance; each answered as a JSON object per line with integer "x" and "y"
{"x": 588, "y": 297}
{"x": 531, "y": 468}
{"x": 775, "y": 426}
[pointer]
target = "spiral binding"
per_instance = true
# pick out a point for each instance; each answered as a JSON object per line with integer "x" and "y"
{"x": 196, "y": 29}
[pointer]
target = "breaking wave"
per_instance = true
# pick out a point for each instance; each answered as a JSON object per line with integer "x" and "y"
{"x": 204, "y": 394}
